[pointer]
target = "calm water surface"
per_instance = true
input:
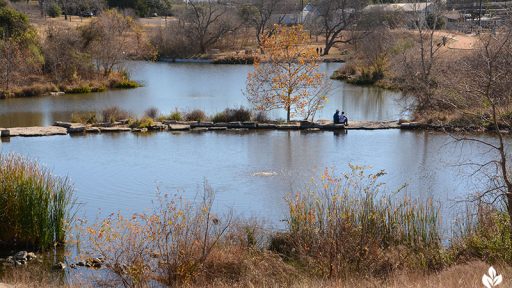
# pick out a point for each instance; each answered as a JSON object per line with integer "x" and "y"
{"x": 187, "y": 86}
{"x": 123, "y": 171}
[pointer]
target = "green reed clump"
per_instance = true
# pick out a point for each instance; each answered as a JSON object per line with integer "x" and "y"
{"x": 35, "y": 206}
{"x": 125, "y": 84}
{"x": 82, "y": 89}
{"x": 176, "y": 115}
{"x": 144, "y": 122}
{"x": 483, "y": 233}
{"x": 346, "y": 225}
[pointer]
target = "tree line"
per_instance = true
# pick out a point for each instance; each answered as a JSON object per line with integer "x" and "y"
{"x": 197, "y": 26}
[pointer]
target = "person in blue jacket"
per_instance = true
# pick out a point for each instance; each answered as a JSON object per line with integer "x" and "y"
{"x": 336, "y": 117}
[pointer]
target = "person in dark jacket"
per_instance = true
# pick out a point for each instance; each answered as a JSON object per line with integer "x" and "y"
{"x": 336, "y": 117}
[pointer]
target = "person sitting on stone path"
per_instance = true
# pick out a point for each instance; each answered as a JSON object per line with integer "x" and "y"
{"x": 343, "y": 119}
{"x": 336, "y": 117}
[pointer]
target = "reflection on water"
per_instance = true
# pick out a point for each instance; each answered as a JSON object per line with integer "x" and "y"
{"x": 13, "y": 119}
{"x": 123, "y": 171}
{"x": 188, "y": 86}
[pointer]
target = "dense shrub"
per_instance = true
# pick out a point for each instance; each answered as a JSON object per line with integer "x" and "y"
{"x": 231, "y": 115}
{"x": 152, "y": 113}
{"x": 35, "y": 206}
{"x": 261, "y": 117}
{"x": 195, "y": 115}
{"x": 114, "y": 113}
{"x": 84, "y": 117}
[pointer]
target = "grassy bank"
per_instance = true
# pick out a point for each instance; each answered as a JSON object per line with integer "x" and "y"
{"x": 34, "y": 205}
{"x": 114, "y": 81}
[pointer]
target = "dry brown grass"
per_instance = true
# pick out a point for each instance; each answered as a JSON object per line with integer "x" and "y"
{"x": 228, "y": 269}
{"x": 238, "y": 267}
{"x": 34, "y": 276}
{"x": 464, "y": 275}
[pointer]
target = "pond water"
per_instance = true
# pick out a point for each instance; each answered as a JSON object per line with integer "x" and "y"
{"x": 123, "y": 171}
{"x": 186, "y": 86}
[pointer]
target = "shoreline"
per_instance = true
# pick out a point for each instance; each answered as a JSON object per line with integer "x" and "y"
{"x": 68, "y": 128}
{"x": 82, "y": 87}
{"x": 232, "y": 60}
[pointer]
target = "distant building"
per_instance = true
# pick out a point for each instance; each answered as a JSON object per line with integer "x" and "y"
{"x": 288, "y": 19}
{"x": 401, "y": 14}
{"x": 309, "y": 12}
{"x": 424, "y": 7}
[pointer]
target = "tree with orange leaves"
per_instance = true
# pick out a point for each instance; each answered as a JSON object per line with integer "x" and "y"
{"x": 286, "y": 75}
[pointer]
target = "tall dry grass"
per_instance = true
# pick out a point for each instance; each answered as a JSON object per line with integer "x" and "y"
{"x": 349, "y": 224}
{"x": 35, "y": 206}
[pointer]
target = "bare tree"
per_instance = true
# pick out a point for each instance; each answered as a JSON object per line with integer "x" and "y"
{"x": 19, "y": 50}
{"x": 484, "y": 85}
{"x": 419, "y": 76}
{"x": 262, "y": 16}
{"x": 43, "y": 4}
{"x": 375, "y": 50}
{"x": 112, "y": 38}
{"x": 67, "y": 7}
{"x": 334, "y": 17}
{"x": 65, "y": 58}
{"x": 10, "y": 56}
{"x": 206, "y": 22}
